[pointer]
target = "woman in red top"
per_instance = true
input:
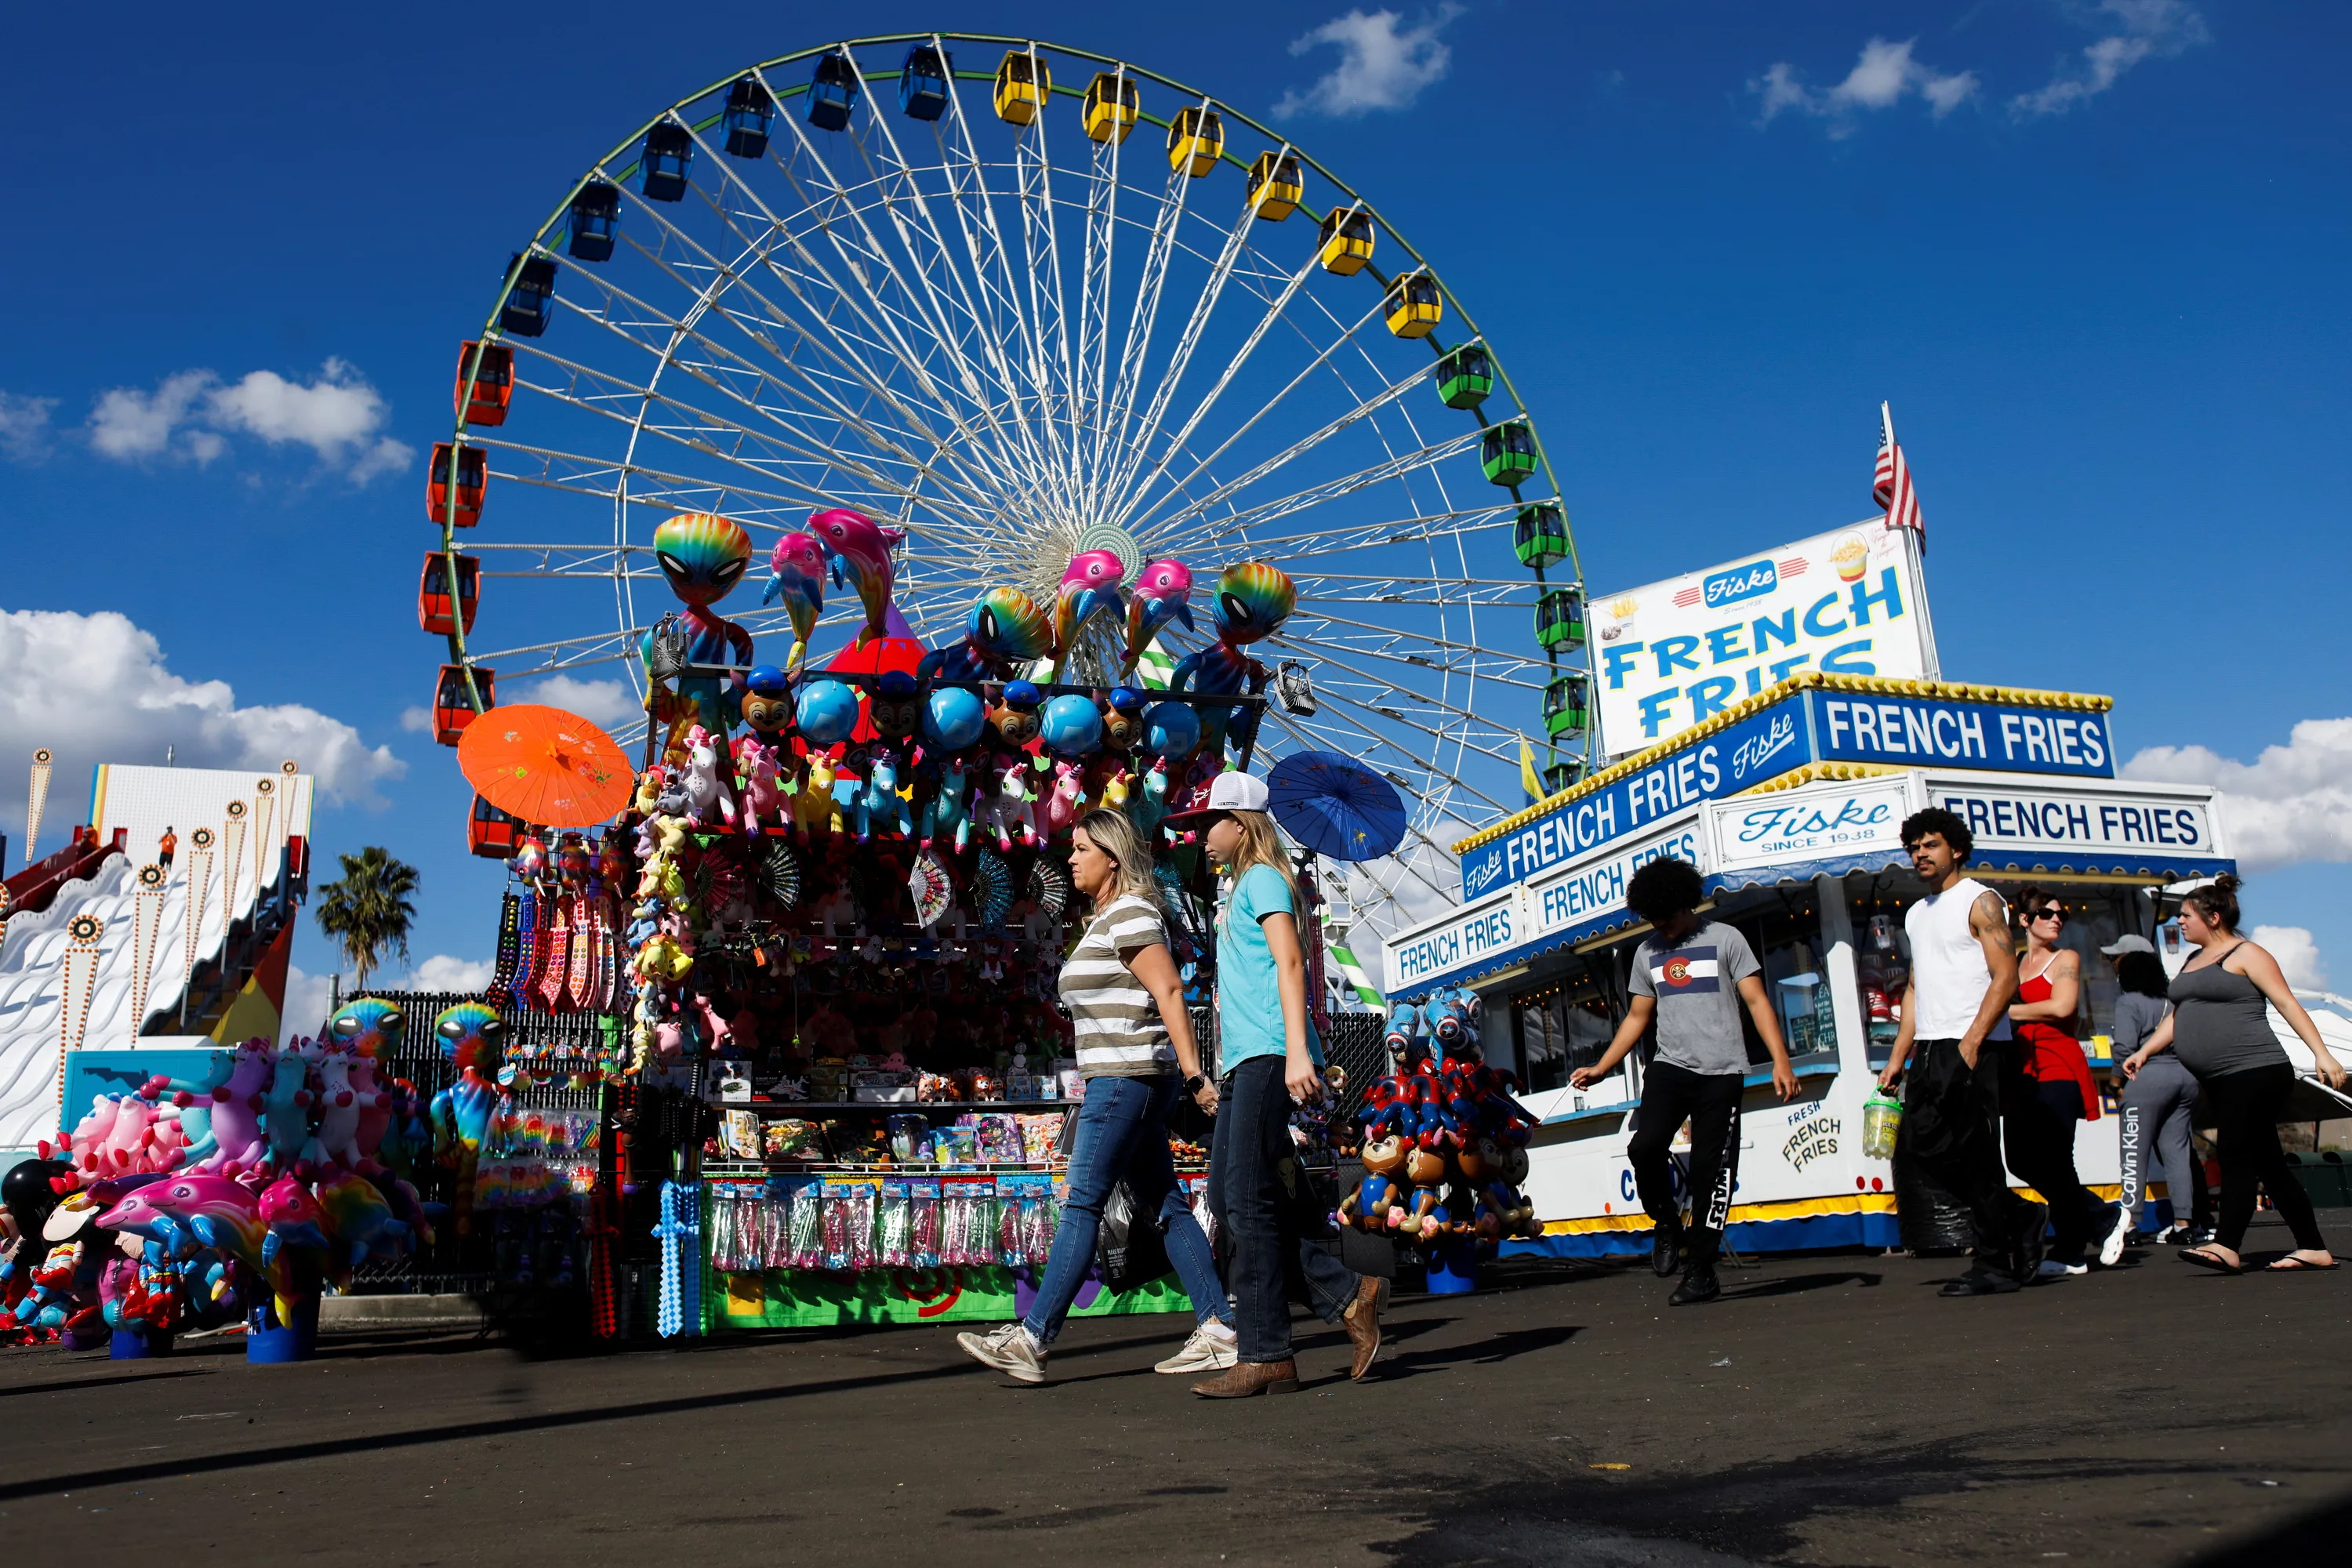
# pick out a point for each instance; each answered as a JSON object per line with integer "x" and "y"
{"x": 2049, "y": 1089}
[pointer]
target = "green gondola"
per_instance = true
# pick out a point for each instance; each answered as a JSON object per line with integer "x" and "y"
{"x": 1564, "y": 706}
{"x": 1464, "y": 377}
{"x": 1559, "y": 619}
{"x": 1508, "y": 452}
{"x": 1541, "y": 536}
{"x": 1563, "y": 775}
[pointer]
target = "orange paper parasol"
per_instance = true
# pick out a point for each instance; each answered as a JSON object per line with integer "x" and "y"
{"x": 545, "y": 767}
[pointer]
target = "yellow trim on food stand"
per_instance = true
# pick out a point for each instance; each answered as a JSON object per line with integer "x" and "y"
{"x": 1805, "y": 681}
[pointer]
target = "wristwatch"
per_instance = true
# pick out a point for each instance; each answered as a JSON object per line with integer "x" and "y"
{"x": 1193, "y": 1084}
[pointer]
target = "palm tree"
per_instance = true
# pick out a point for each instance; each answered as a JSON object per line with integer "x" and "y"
{"x": 369, "y": 909}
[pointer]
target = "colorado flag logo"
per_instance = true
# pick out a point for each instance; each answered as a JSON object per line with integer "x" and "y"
{"x": 1690, "y": 972}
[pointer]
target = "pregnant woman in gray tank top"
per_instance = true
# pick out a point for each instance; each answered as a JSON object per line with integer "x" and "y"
{"x": 2220, "y": 1030}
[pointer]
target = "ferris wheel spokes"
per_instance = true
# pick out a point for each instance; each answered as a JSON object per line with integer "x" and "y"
{"x": 1131, "y": 490}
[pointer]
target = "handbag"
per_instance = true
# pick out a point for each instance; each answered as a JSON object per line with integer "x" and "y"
{"x": 1130, "y": 1249}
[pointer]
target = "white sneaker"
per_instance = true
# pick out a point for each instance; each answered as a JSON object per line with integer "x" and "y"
{"x": 2111, "y": 1250}
{"x": 2052, "y": 1269}
{"x": 1008, "y": 1350}
{"x": 1204, "y": 1352}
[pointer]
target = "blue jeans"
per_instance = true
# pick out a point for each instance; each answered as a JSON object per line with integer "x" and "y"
{"x": 1123, "y": 1131}
{"x": 1258, "y": 1191}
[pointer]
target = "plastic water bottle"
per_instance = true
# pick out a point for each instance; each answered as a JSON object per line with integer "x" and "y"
{"x": 1882, "y": 1114}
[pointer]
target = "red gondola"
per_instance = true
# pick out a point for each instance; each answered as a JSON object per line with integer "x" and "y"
{"x": 452, "y": 710}
{"x": 434, "y": 612}
{"x": 473, "y": 477}
{"x": 491, "y": 833}
{"x": 493, "y": 384}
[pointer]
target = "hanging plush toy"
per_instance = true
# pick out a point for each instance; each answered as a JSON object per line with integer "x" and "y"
{"x": 1090, "y": 587}
{"x": 1004, "y": 631}
{"x": 704, "y": 555}
{"x": 1163, "y": 593}
{"x": 861, "y": 548}
{"x": 796, "y": 575}
{"x": 1252, "y": 600}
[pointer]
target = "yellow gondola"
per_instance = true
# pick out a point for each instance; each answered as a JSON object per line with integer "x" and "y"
{"x": 1024, "y": 82}
{"x": 1111, "y": 107}
{"x": 1414, "y": 305}
{"x": 1347, "y": 242}
{"x": 1274, "y": 186}
{"x": 1196, "y": 140}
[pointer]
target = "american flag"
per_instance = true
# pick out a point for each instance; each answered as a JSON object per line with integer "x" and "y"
{"x": 1892, "y": 488}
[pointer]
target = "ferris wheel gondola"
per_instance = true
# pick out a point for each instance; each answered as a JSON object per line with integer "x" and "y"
{"x": 868, "y": 275}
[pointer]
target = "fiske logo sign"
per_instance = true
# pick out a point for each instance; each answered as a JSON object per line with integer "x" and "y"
{"x": 1734, "y": 584}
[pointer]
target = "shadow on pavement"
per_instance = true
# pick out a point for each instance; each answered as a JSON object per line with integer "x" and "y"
{"x": 1798, "y": 1282}
{"x": 2316, "y": 1537}
{"x": 1754, "y": 1513}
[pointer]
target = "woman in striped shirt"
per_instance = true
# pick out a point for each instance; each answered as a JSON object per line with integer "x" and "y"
{"x": 1134, "y": 1037}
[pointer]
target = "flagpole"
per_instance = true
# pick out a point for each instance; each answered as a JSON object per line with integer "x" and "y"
{"x": 1915, "y": 552}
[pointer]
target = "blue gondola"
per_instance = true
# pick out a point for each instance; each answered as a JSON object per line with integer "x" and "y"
{"x": 923, "y": 82}
{"x": 595, "y": 221}
{"x": 750, "y": 112}
{"x": 532, "y": 299}
{"x": 832, "y": 92}
{"x": 670, "y": 153}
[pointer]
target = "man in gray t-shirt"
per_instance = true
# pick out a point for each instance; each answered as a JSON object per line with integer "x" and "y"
{"x": 1696, "y": 981}
{"x": 1692, "y": 976}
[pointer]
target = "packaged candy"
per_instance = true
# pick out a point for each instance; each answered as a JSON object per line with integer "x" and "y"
{"x": 896, "y": 1247}
{"x": 923, "y": 1223}
{"x": 804, "y": 1246}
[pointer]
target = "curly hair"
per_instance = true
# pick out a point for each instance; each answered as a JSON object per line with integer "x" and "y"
{"x": 1945, "y": 824}
{"x": 1664, "y": 889}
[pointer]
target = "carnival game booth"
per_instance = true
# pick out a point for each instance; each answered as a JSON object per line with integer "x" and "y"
{"x": 1790, "y": 804}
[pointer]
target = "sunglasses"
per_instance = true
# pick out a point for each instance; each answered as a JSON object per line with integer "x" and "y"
{"x": 2048, "y": 912}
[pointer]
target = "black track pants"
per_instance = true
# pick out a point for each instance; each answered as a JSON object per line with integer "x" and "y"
{"x": 1711, "y": 1103}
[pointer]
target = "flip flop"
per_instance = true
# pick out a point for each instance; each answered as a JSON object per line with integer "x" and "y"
{"x": 2291, "y": 1264}
{"x": 2207, "y": 1260}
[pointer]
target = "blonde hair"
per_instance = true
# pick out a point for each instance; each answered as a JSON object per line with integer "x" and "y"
{"x": 1261, "y": 845}
{"x": 1116, "y": 836}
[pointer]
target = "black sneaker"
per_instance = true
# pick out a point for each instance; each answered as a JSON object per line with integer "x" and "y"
{"x": 1699, "y": 1284}
{"x": 1666, "y": 1251}
{"x": 1978, "y": 1282}
{"x": 2030, "y": 1242}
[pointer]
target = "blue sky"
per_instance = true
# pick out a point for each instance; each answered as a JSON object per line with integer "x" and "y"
{"x": 2092, "y": 253}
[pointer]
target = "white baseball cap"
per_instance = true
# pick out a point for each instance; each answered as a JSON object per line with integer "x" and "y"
{"x": 2128, "y": 942}
{"x": 1229, "y": 791}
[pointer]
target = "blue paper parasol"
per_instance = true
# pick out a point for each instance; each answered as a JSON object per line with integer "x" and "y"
{"x": 1335, "y": 806}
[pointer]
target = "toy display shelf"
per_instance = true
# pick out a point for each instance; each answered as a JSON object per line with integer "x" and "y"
{"x": 965, "y": 1293}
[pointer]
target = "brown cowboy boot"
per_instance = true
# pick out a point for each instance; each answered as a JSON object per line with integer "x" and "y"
{"x": 1244, "y": 1378}
{"x": 1362, "y": 1321}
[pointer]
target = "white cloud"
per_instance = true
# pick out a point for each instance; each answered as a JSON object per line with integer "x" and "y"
{"x": 2297, "y": 954}
{"x": 24, "y": 426}
{"x": 1381, "y": 65}
{"x": 1884, "y": 75}
{"x": 416, "y": 721}
{"x": 2293, "y": 803}
{"x": 608, "y": 704}
{"x": 443, "y": 972}
{"x": 2143, "y": 30}
{"x": 337, "y": 416}
{"x": 129, "y": 423}
{"x": 307, "y": 996}
{"x": 95, "y": 689}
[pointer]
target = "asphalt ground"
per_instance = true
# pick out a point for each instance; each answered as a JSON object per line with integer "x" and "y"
{"x": 1829, "y": 1409}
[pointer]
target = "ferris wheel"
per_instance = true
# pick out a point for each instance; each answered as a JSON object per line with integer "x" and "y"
{"x": 940, "y": 280}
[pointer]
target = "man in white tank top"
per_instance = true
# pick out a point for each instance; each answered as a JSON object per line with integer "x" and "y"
{"x": 1963, "y": 974}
